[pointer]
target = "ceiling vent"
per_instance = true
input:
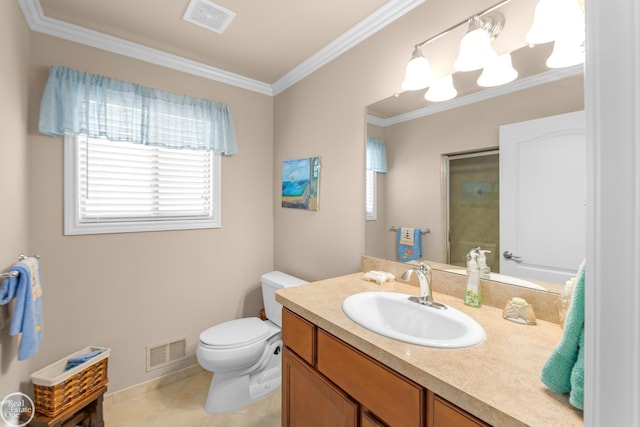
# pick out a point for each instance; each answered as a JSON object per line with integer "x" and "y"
{"x": 208, "y": 15}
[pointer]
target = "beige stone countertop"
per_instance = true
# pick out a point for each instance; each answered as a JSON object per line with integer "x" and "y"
{"x": 498, "y": 380}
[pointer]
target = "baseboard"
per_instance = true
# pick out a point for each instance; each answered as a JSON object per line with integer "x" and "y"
{"x": 153, "y": 384}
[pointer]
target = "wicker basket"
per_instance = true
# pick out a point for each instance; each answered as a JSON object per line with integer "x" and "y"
{"x": 55, "y": 389}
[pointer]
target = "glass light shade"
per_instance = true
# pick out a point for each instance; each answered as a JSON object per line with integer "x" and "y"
{"x": 573, "y": 25}
{"x": 441, "y": 89}
{"x": 475, "y": 50}
{"x": 554, "y": 19}
{"x": 498, "y": 72}
{"x": 566, "y": 53}
{"x": 545, "y": 23}
{"x": 418, "y": 73}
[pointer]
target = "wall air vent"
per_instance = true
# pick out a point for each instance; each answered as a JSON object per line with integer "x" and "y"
{"x": 163, "y": 354}
{"x": 208, "y": 15}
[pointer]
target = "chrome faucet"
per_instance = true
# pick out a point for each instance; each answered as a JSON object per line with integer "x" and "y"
{"x": 424, "y": 277}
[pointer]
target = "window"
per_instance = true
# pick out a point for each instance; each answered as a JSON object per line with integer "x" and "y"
{"x": 376, "y": 162}
{"x": 113, "y": 187}
{"x": 136, "y": 158}
{"x": 370, "y": 196}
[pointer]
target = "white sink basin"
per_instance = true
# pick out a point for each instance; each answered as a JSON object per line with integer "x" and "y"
{"x": 395, "y": 316}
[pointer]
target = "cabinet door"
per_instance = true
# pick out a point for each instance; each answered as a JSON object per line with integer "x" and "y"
{"x": 368, "y": 420}
{"x": 309, "y": 400}
{"x": 299, "y": 335}
{"x": 445, "y": 414}
{"x": 391, "y": 397}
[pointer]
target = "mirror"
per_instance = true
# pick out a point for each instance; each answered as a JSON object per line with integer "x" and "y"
{"x": 418, "y": 133}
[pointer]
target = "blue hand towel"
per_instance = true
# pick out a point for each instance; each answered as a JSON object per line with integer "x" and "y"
{"x": 79, "y": 360}
{"x": 410, "y": 252}
{"x": 27, "y": 313}
{"x": 563, "y": 371}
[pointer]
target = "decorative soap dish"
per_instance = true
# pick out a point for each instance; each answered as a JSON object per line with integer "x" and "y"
{"x": 517, "y": 310}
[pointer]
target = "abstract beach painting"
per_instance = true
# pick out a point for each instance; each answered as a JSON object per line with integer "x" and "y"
{"x": 301, "y": 183}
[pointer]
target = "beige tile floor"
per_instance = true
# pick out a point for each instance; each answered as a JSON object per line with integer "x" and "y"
{"x": 182, "y": 404}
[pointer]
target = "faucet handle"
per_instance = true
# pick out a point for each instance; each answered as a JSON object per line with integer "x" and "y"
{"x": 424, "y": 267}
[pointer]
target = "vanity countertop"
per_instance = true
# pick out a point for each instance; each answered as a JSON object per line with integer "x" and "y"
{"x": 498, "y": 381}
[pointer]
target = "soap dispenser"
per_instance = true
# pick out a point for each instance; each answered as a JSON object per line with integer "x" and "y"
{"x": 472, "y": 296}
{"x": 473, "y": 252}
{"x": 485, "y": 270}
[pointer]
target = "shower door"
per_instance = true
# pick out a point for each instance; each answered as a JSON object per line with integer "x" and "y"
{"x": 472, "y": 206}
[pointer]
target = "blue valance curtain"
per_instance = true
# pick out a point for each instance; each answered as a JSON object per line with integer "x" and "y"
{"x": 79, "y": 102}
{"x": 376, "y": 155}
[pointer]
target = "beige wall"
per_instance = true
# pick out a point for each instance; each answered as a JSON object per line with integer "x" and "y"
{"x": 14, "y": 50}
{"x": 414, "y": 150}
{"x": 324, "y": 115}
{"x": 132, "y": 290}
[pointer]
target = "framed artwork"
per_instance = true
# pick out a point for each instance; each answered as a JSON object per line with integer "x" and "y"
{"x": 301, "y": 183}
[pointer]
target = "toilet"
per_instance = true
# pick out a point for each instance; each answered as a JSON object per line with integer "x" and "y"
{"x": 245, "y": 354}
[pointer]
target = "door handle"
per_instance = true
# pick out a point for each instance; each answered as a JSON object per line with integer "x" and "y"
{"x": 509, "y": 255}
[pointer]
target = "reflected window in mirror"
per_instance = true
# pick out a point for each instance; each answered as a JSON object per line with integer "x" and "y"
{"x": 376, "y": 163}
{"x": 371, "y": 191}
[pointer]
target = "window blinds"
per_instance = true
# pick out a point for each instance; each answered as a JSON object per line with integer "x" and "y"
{"x": 120, "y": 181}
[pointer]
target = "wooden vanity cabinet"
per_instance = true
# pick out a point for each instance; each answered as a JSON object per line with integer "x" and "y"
{"x": 326, "y": 382}
{"x": 443, "y": 413}
{"x": 311, "y": 400}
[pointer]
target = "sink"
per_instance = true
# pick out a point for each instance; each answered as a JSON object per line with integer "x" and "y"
{"x": 395, "y": 316}
{"x": 504, "y": 279}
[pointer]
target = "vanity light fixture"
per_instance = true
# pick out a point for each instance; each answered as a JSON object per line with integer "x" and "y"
{"x": 498, "y": 71}
{"x": 566, "y": 53}
{"x": 561, "y": 22}
{"x": 441, "y": 89}
{"x": 418, "y": 75}
{"x": 475, "y": 52}
{"x": 545, "y": 22}
{"x": 554, "y": 19}
{"x": 475, "y": 46}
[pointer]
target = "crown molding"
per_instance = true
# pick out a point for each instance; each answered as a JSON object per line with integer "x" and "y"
{"x": 373, "y": 23}
{"x": 389, "y": 12}
{"x": 53, "y": 27}
{"x": 526, "y": 83}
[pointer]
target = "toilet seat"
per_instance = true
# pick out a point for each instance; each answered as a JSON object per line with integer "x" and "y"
{"x": 235, "y": 333}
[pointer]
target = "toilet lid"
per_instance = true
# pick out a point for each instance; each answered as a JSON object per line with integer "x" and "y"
{"x": 235, "y": 333}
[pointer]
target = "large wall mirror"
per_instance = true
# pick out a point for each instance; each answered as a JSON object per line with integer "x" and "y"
{"x": 421, "y": 137}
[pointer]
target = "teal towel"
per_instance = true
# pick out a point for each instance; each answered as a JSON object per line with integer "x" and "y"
{"x": 563, "y": 371}
{"x": 576, "y": 396}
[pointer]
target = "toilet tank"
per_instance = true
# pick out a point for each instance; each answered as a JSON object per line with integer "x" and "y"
{"x": 271, "y": 282}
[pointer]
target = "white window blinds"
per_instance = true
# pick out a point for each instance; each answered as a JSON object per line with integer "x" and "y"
{"x": 371, "y": 204}
{"x": 120, "y": 186}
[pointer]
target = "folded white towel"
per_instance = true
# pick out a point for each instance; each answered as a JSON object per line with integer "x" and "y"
{"x": 406, "y": 236}
{"x": 380, "y": 277}
{"x": 34, "y": 269}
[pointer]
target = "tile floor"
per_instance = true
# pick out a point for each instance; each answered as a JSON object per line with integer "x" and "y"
{"x": 181, "y": 404}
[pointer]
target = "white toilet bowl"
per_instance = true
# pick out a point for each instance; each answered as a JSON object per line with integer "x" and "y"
{"x": 245, "y": 354}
